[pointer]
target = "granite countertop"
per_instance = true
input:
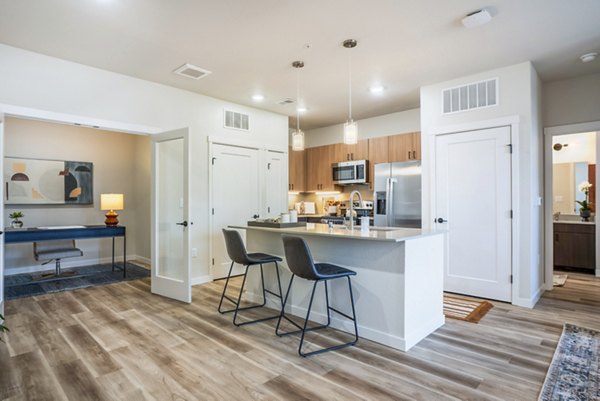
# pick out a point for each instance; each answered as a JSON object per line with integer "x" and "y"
{"x": 574, "y": 222}
{"x": 388, "y": 234}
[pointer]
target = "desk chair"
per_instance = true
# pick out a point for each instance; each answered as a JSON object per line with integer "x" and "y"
{"x": 300, "y": 261}
{"x": 55, "y": 250}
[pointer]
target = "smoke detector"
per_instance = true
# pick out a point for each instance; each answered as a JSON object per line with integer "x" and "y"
{"x": 477, "y": 18}
{"x": 586, "y": 58}
{"x": 191, "y": 71}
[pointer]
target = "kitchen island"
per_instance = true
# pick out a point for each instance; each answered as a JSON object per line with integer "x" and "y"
{"x": 398, "y": 288}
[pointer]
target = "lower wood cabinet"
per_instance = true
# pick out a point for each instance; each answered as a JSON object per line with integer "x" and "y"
{"x": 574, "y": 245}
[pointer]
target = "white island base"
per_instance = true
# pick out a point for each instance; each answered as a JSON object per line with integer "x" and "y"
{"x": 398, "y": 289}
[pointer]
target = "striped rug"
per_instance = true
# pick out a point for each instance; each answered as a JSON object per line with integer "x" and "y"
{"x": 463, "y": 309}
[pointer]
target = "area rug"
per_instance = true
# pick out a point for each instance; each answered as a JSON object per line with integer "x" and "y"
{"x": 559, "y": 279}
{"x": 574, "y": 374}
{"x": 462, "y": 309}
{"x": 30, "y": 284}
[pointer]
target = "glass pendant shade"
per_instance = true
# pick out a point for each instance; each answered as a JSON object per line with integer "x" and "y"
{"x": 298, "y": 140}
{"x": 350, "y": 133}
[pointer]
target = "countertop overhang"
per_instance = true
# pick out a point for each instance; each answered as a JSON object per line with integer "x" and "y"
{"x": 387, "y": 234}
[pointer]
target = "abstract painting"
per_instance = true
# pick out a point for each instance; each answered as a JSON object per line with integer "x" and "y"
{"x": 36, "y": 181}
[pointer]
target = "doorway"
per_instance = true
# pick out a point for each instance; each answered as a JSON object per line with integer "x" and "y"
{"x": 235, "y": 197}
{"x": 473, "y": 203}
{"x": 573, "y": 204}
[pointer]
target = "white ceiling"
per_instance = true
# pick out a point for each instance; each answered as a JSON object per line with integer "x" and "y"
{"x": 250, "y": 45}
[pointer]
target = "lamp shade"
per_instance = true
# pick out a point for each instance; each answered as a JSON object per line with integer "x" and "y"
{"x": 298, "y": 140}
{"x": 350, "y": 133}
{"x": 111, "y": 202}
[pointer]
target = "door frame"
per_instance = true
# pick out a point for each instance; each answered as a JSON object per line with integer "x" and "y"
{"x": 9, "y": 110}
{"x": 549, "y": 133}
{"x": 429, "y": 168}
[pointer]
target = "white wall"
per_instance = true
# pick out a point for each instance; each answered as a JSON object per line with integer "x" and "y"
{"x": 519, "y": 98}
{"x": 39, "y": 82}
{"x": 387, "y": 124}
{"x": 115, "y": 171}
{"x": 572, "y": 101}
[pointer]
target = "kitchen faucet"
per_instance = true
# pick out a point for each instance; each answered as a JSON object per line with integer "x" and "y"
{"x": 352, "y": 206}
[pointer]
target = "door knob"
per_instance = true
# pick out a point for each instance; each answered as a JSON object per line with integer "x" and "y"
{"x": 256, "y": 216}
{"x": 184, "y": 223}
{"x": 440, "y": 220}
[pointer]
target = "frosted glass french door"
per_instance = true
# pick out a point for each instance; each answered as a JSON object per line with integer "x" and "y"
{"x": 171, "y": 276}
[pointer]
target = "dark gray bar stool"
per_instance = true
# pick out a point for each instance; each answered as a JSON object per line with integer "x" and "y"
{"x": 300, "y": 262}
{"x": 238, "y": 254}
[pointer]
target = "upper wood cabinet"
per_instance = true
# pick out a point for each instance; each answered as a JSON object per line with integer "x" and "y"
{"x": 297, "y": 170}
{"x": 404, "y": 147}
{"x": 378, "y": 153}
{"x": 318, "y": 169}
{"x": 343, "y": 152}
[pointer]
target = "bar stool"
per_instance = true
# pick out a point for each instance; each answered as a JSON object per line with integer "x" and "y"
{"x": 238, "y": 254}
{"x": 300, "y": 262}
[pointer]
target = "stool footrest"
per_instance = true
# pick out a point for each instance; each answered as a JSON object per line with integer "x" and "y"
{"x": 341, "y": 313}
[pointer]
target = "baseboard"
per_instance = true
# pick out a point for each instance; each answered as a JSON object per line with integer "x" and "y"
{"x": 66, "y": 264}
{"x": 597, "y": 272}
{"x": 201, "y": 280}
{"x": 530, "y": 302}
{"x": 140, "y": 258}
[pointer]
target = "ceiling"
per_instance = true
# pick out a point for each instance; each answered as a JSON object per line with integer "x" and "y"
{"x": 249, "y": 45}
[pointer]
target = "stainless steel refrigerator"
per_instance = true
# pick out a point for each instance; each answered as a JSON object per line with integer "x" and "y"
{"x": 397, "y": 194}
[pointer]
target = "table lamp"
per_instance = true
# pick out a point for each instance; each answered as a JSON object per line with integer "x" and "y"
{"x": 111, "y": 202}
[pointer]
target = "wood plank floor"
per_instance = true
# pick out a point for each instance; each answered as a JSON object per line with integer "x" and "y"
{"x": 119, "y": 342}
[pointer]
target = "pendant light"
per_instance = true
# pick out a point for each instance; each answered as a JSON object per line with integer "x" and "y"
{"x": 350, "y": 127}
{"x": 298, "y": 135}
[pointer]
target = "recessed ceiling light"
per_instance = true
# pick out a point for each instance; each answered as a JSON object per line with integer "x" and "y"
{"x": 586, "y": 58}
{"x": 376, "y": 89}
{"x": 258, "y": 98}
{"x": 301, "y": 109}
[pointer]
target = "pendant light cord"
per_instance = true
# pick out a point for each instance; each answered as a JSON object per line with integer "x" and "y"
{"x": 350, "y": 85}
{"x": 298, "y": 100}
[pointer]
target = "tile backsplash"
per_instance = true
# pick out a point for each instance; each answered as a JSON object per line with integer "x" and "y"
{"x": 320, "y": 200}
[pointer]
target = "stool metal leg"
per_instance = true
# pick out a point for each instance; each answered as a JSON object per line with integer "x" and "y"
{"x": 225, "y": 290}
{"x": 303, "y": 329}
{"x": 264, "y": 291}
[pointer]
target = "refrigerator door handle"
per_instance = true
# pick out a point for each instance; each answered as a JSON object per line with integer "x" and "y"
{"x": 390, "y": 202}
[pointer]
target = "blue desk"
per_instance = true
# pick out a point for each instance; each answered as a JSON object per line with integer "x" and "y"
{"x": 16, "y": 235}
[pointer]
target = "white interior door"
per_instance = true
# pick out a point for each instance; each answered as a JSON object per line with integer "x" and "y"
{"x": 2, "y": 216}
{"x": 473, "y": 197}
{"x": 235, "y": 197}
{"x": 171, "y": 275}
{"x": 276, "y": 184}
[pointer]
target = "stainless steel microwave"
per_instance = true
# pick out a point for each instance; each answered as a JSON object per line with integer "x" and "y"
{"x": 352, "y": 172}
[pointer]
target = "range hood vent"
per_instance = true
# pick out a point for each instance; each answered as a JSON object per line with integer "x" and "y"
{"x": 471, "y": 96}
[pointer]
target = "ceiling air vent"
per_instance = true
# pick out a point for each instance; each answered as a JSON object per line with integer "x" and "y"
{"x": 475, "y": 95}
{"x": 285, "y": 101}
{"x": 191, "y": 71}
{"x": 236, "y": 120}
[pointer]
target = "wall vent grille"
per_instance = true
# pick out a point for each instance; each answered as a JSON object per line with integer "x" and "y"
{"x": 235, "y": 120}
{"x": 475, "y": 95}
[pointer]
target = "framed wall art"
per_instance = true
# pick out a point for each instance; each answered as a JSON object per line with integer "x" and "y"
{"x": 44, "y": 182}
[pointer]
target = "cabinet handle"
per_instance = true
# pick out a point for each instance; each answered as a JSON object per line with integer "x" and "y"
{"x": 292, "y": 186}
{"x": 556, "y": 237}
{"x": 347, "y": 156}
{"x": 351, "y": 156}
{"x": 414, "y": 154}
{"x": 409, "y": 155}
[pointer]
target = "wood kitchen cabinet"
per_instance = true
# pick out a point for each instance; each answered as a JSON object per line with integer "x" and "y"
{"x": 574, "y": 245}
{"x": 297, "y": 170}
{"x": 404, "y": 147}
{"x": 343, "y": 152}
{"x": 318, "y": 169}
{"x": 378, "y": 153}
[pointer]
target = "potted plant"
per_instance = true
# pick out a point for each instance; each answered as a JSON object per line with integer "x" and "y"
{"x": 585, "y": 210}
{"x": 3, "y": 328}
{"x": 16, "y": 223}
